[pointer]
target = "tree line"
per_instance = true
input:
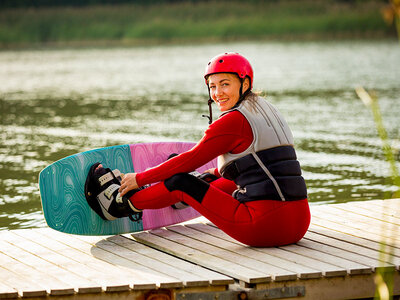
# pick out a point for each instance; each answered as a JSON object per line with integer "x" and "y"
{"x": 61, "y": 3}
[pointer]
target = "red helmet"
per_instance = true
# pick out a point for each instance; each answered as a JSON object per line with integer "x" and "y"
{"x": 230, "y": 63}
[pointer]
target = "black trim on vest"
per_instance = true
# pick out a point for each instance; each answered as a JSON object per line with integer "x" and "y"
{"x": 189, "y": 184}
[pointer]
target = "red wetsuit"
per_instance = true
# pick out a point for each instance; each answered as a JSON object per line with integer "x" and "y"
{"x": 261, "y": 223}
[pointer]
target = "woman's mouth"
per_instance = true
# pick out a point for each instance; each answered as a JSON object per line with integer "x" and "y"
{"x": 222, "y": 100}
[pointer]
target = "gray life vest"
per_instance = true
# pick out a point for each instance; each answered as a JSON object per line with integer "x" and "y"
{"x": 268, "y": 168}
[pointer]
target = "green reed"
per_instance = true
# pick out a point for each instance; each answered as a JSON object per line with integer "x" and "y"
{"x": 383, "y": 277}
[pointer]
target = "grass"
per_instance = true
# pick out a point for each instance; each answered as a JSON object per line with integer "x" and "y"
{"x": 208, "y": 20}
{"x": 384, "y": 279}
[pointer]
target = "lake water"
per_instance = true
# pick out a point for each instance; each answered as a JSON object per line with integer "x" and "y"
{"x": 59, "y": 102}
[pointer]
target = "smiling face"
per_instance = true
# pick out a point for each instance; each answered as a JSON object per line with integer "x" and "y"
{"x": 224, "y": 89}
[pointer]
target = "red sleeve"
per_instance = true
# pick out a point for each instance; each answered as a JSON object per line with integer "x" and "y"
{"x": 229, "y": 133}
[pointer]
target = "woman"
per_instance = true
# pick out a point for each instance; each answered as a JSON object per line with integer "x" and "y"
{"x": 261, "y": 198}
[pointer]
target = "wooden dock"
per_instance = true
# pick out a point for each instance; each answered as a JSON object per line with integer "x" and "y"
{"x": 337, "y": 259}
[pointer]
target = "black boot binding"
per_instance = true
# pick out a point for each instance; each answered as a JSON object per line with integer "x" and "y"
{"x": 101, "y": 193}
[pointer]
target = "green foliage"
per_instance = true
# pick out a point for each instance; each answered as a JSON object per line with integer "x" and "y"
{"x": 191, "y": 20}
{"x": 58, "y": 3}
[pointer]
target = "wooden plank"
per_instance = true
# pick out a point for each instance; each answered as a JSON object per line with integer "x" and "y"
{"x": 333, "y": 246}
{"x": 83, "y": 251}
{"x": 299, "y": 255}
{"x": 24, "y": 286}
{"x": 391, "y": 215}
{"x": 387, "y": 255}
{"x": 367, "y": 224}
{"x": 213, "y": 278}
{"x": 277, "y": 273}
{"x": 388, "y": 231}
{"x": 181, "y": 249}
{"x": 140, "y": 276}
{"x": 18, "y": 273}
{"x": 30, "y": 282}
{"x": 349, "y": 235}
{"x": 162, "y": 280}
{"x": 110, "y": 281}
{"x": 210, "y": 234}
{"x": 352, "y": 240}
{"x": 37, "y": 257}
{"x": 365, "y": 212}
{"x": 177, "y": 233}
{"x": 387, "y": 207}
{"x": 324, "y": 258}
{"x": 350, "y": 251}
{"x": 37, "y": 281}
{"x": 188, "y": 279}
{"x": 335, "y": 225}
{"x": 7, "y": 292}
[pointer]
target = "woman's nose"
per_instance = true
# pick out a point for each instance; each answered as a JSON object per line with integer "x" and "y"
{"x": 218, "y": 91}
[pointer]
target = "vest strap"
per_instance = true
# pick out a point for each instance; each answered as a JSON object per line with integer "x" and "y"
{"x": 265, "y": 169}
{"x": 294, "y": 189}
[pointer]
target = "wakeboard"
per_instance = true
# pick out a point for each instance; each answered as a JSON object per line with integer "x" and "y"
{"x": 63, "y": 199}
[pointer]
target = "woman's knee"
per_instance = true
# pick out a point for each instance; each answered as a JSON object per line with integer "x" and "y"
{"x": 189, "y": 184}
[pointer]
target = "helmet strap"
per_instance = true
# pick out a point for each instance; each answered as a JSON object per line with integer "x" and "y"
{"x": 242, "y": 95}
{"x": 210, "y": 101}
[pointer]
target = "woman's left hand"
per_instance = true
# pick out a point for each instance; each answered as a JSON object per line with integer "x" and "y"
{"x": 211, "y": 171}
{"x": 128, "y": 183}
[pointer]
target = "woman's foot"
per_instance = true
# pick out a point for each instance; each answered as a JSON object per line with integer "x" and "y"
{"x": 101, "y": 192}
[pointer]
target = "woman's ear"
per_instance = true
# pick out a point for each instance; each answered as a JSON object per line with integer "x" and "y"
{"x": 246, "y": 84}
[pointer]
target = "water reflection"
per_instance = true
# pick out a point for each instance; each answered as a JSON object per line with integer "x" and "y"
{"x": 59, "y": 102}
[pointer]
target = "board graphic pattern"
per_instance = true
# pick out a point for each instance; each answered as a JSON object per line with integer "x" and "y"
{"x": 62, "y": 189}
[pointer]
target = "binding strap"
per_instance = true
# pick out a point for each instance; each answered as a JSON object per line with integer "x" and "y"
{"x": 110, "y": 176}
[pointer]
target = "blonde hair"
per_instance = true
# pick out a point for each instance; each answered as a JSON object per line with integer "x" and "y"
{"x": 252, "y": 98}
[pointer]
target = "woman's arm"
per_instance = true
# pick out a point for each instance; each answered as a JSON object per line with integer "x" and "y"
{"x": 230, "y": 133}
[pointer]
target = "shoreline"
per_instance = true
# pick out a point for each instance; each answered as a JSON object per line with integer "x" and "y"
{"x": 305, "y": 38}
{"x": 185, "y": 23}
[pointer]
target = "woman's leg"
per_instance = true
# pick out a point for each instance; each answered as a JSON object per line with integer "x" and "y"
{"x": 258, "y": 223}
{"x": 199, "y": 194}
{"x": 154, "y": 197}
{"x": 228, "y": 186}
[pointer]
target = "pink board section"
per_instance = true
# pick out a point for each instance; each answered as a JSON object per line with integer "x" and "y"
{"x": 149, "y": 155}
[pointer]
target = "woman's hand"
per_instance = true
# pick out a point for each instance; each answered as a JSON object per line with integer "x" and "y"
{"x": 211, "y": 171}
{"x": 128, "y": 183}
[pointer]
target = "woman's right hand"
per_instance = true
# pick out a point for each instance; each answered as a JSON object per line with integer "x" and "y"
{"x": 128, "y": 183}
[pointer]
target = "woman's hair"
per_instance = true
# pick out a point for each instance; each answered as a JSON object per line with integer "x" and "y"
{"x": 251, "y": 97}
